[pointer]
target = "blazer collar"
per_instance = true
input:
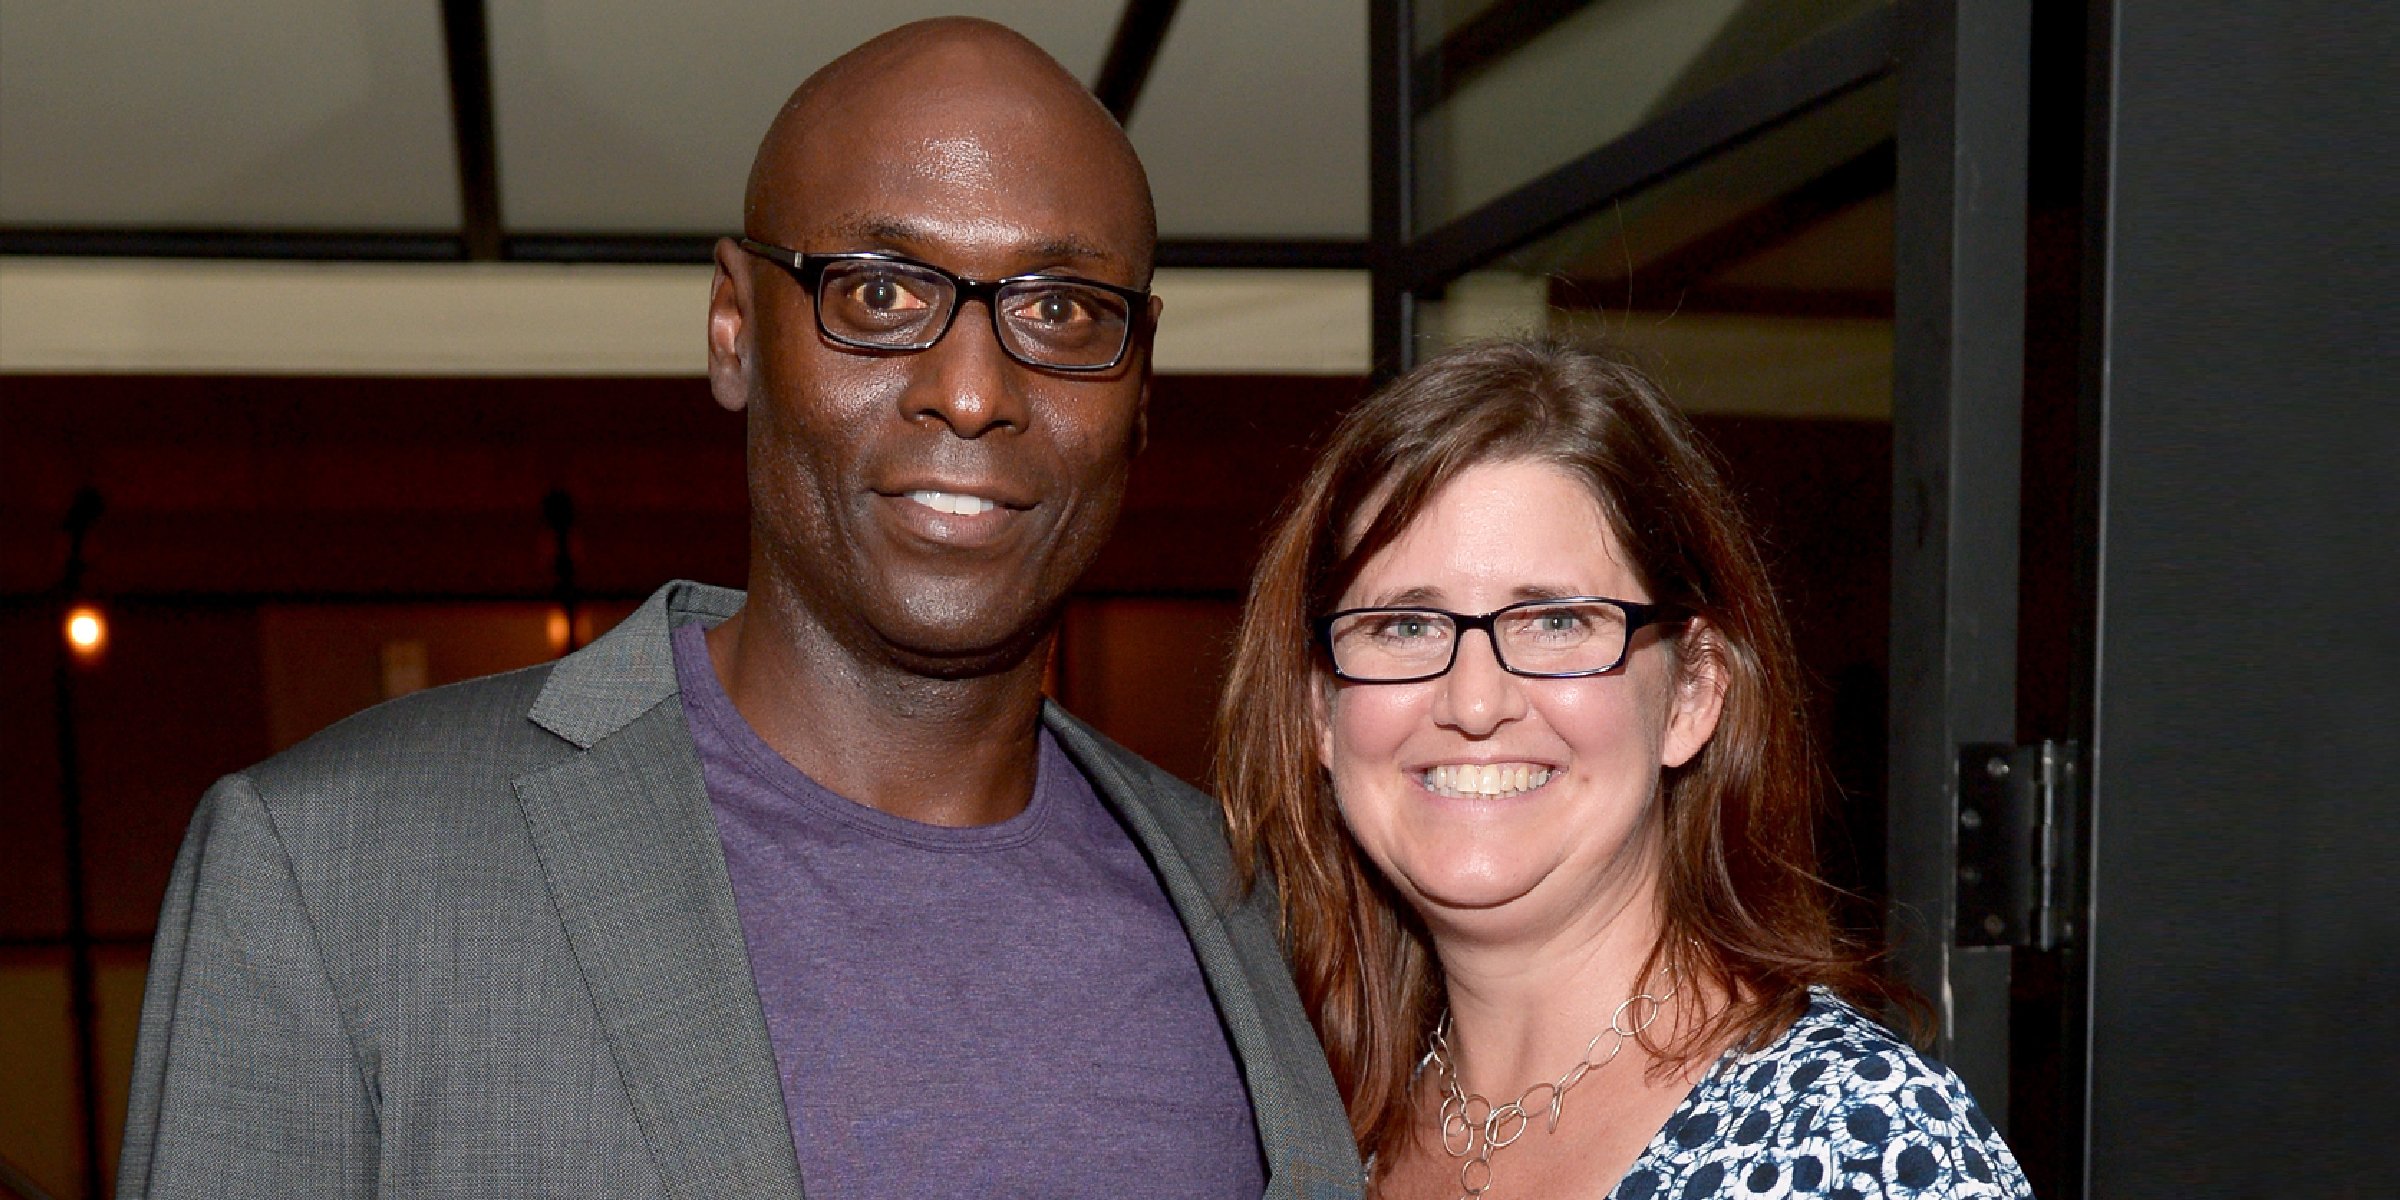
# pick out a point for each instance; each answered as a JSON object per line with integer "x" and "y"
{"x": 601, "y": 688}
{"x": 1298, "y": 1114}
{"x": 626, "y": 837}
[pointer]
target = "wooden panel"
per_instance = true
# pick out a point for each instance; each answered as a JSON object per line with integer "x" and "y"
{"x": 33, "y": 886}
{"x": 38, "y": 1133}
{"x": 243, "y": 486}
{"x": 1148, "y": 672}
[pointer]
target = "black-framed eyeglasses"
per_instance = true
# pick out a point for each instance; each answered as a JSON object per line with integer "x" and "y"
{"x": 871, "y": 300}
{"x": 1540, "y": 639}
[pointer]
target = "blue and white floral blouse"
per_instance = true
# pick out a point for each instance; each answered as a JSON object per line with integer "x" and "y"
{"x": 1836, "y": 1107}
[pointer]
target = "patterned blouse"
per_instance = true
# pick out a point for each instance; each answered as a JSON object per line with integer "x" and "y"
{"x": 1836, "y": 1107}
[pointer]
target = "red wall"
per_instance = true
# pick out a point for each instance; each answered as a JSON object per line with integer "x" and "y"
{"x": 268, "y": 542}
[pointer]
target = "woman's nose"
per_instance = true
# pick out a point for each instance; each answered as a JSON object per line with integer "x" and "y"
{"x": 1477, "y": 696}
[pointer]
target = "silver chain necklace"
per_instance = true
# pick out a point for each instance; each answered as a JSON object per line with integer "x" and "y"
{"x": 1473, "y": 1139}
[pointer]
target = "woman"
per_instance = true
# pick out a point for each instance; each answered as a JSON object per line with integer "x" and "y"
{"x": 1515, "y": 727}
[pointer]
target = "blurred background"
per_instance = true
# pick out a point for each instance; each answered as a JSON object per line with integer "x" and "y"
{"x": 349, "y": 348}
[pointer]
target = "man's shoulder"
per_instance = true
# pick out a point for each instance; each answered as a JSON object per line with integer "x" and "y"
{"x": 435, "y": 723}
{"x": 466, "y": 735}
{"x": 446, "y": 732}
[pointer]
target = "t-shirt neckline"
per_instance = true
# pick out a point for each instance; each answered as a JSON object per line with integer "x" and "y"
{"x": 707, "y": 705}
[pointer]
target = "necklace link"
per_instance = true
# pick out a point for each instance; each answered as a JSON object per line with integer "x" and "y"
{"x": 1474, "y": 1138}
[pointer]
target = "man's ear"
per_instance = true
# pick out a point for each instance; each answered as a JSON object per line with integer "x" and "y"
{"x": 1701, "y": 674}
{"x": 1141, "y": 413}
{"x": 729, "y": 297}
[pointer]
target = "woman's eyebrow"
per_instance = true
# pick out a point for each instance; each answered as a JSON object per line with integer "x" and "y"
{"x": 1546, "y": 591}
{"x": 1408, "y": 597}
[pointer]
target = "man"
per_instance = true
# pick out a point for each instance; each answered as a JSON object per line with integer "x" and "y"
{"x": 812, "y": 886}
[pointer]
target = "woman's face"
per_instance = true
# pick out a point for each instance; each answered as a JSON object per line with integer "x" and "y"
{"x": 1492, "y": 859}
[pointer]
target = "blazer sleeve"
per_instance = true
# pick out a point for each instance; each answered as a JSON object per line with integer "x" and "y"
{"x": 244, "y": 1080}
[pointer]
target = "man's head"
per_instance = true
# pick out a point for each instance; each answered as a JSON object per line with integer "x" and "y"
{"x": 960, "y": 145}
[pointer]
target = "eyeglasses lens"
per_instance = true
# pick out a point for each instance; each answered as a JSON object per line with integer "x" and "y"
{"x": 1061, "y": 323}
{"x": 884, "y": 303}
{"x": 904, "y": 307}
{"x": 1536, "y": 639}
{"x": 1561, "y": 638}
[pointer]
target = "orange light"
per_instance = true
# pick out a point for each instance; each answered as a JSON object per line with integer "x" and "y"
{"x": 87, "y": 631}
{"x": 559, "y": 629}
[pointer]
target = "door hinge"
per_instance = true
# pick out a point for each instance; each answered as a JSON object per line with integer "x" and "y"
{"x": 2018, "y": 868}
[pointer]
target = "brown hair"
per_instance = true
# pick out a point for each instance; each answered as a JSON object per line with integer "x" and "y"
{"x": 1742, "y": 904}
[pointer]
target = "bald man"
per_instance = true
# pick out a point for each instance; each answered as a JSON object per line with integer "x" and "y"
{"x": 809, "y": 885}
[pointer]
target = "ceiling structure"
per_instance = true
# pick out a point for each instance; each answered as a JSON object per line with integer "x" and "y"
{"x": 361, "y": 132}
{"x": 616, "y": 130}
{"x": 612, "y": 131}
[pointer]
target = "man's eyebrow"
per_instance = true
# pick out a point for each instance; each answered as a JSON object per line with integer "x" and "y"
{"x": 893, "y": 231}
{"x": 1072, "y": 249}
{"x": 884, "y": 230}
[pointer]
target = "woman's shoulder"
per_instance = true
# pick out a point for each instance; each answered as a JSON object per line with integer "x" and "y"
{"x": 1836, "y": 1051}
{"x": 1837, "y": 1106}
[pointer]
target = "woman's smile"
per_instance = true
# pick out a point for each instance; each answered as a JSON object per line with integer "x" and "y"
{"x": 1485, "y": 780}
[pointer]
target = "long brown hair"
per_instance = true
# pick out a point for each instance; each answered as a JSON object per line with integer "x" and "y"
{"x": 1743, "y": 905}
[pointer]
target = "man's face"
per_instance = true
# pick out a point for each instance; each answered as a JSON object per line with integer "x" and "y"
{"x": 935, "y": 507}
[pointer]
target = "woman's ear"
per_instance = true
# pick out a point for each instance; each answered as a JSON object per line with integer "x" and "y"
{"x": 1321, "y": 716}
{"x": 1700, "y": 678}
{"x": 1320, "y": 712}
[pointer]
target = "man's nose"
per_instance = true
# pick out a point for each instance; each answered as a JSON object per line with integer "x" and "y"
{"x": 1477, "y": 696}
{"x": 967, "y": 381}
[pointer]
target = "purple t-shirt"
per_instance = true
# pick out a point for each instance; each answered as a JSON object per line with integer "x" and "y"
{"x": 999, "y": 1010}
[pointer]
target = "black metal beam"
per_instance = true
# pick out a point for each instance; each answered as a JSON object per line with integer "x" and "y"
{"x": 1301, "y": 254}
{"x": 1483, "y": 39}
{"x": 1327, "y": 254}
{"x": 2243, "y": 755}
{"x": 1801, "y": 79}
{"x": 1131, "y": 53}
{"x": 1390, "y": 175}
{"x": 1957, "y": 434}
{"x": 610, "y": 248}
{"x": 1589, "y": 296}
{"x": 466, "y": 37}
{"x": 307, "y": 245}
{"x": 83, "y": 996}
{"x": 1332, "y": 254}
{"x": 1679, "y": 280}
{"x": 1688, "y": 267}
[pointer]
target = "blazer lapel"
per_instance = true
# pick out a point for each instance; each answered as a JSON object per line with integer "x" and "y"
{"x": 1301, "y": 1126}
{"x": 630, "y": 847}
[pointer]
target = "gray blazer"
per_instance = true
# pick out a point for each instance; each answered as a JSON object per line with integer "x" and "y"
{"x": 480, "y": 941}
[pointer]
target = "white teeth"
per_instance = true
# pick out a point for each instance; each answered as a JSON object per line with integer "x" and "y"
{"x": 953, "y": 503}
{"x": 1490, "y": 779}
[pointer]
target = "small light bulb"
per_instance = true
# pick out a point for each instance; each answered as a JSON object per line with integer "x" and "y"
{"x": 559, "y": 630}
{"x": 87, "y": 630}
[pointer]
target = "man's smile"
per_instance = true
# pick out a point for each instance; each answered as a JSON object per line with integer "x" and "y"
{"x": 953, "y": 515}
{"x": 954, "y": 503}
